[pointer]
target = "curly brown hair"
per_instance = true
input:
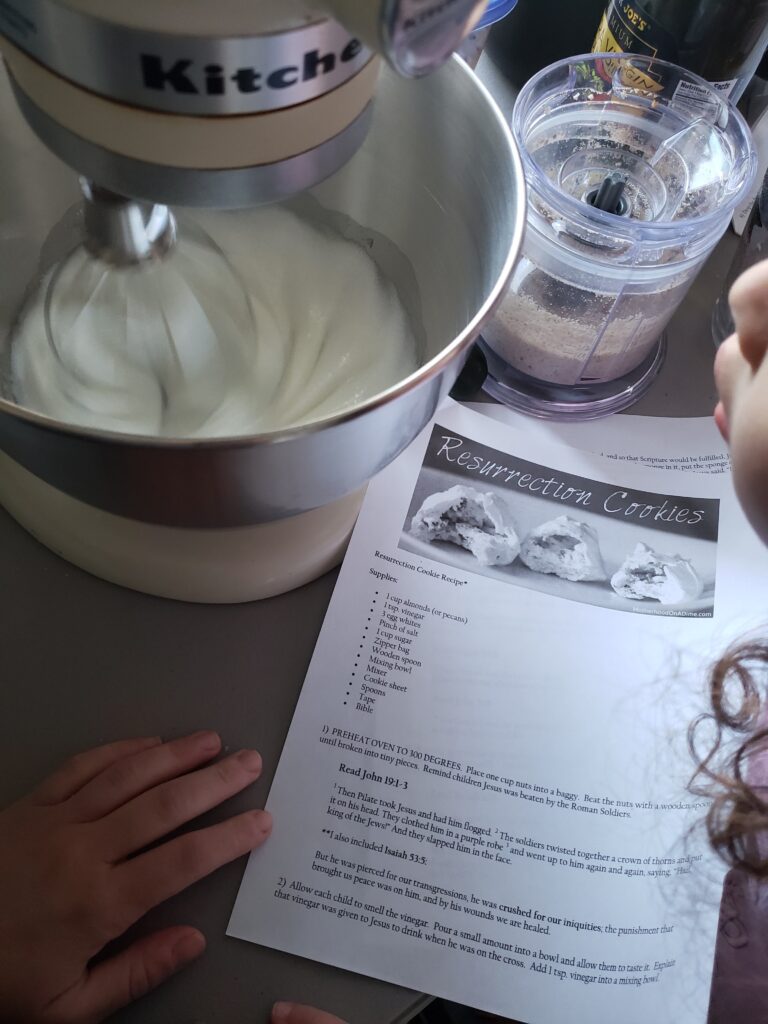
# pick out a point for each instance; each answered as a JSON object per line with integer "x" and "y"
{"x": 736, "y": 732}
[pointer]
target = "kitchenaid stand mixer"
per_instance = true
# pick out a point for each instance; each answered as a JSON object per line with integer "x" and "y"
{"x": 249, "y": 103}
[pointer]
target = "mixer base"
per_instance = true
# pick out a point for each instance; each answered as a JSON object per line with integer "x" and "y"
{"x": 225, "y": 566}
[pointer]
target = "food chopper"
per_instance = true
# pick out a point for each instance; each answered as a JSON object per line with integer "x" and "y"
{"x": 634, "y": 168}
{"x": 251, "y": 103}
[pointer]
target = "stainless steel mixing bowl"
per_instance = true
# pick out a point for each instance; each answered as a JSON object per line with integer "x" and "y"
{"x": 438, "y": 188}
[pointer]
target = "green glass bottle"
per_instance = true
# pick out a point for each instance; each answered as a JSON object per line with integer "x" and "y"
{"x": 721, "y": 40}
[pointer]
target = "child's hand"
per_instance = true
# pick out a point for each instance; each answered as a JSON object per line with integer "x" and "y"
{"x": 72, "y": 876}
{"x": 741, "y": 373}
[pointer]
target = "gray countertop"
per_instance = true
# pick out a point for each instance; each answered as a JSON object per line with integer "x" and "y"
{"x": 84, "y": 661}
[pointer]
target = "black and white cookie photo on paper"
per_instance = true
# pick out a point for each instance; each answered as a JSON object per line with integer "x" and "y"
{"x": 490, "y": 513}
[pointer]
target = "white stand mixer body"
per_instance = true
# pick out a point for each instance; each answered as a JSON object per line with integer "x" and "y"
{"x": 214, "y": 566}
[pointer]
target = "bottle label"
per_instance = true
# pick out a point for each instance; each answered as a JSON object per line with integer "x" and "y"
{"x": 628, "y": 28}
{"x": 698, "y": 99}
{"x": 725, "y": 88}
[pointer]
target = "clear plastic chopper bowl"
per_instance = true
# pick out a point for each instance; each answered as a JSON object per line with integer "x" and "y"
{"x": 634, "y": 167}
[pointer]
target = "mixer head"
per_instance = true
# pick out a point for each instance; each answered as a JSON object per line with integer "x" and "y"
{"x": 227, "y": 104}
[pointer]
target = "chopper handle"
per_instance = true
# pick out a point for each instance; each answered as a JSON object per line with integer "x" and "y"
{"x": 415, "y": 36}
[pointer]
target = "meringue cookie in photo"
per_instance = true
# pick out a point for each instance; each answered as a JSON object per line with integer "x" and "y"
{"x": 647, "y": 575}
{"x": 475, "y": 520}
{"x": 564, "y": 548}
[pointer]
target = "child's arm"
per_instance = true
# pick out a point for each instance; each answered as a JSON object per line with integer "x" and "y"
{"x": 71, "y": 879}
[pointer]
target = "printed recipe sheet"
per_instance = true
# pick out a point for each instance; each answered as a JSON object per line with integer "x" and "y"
{"x": 483, "y": 793}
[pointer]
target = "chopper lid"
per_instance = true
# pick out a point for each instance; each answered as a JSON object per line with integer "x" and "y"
{"x": 624, "y": 148}
{"x": 495, "y": 11}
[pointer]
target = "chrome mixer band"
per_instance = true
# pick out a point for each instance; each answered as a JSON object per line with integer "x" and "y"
{"x": 232, "y": 187}
{"x": 185, "y": 74}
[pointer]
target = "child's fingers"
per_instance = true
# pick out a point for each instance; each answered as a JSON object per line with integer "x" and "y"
{"x": 161, "y": 810}
{"x": 155, "y": 876}
{"x": 731, "y": 370}
{"x": 721, "y": 421}
{"x": 749, "y": 304}
{"x": 131, "y": 974}
{"x": 131, "y": 776}
{"x": 79, "y": 770}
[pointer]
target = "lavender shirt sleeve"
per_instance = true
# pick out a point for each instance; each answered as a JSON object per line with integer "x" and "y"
{"x": 740, "y": 979}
